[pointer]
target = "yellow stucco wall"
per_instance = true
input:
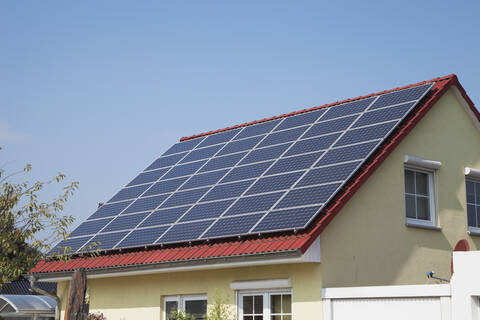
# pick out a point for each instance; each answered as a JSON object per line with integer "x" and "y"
{"x": 368, "y": 243}
{"x": 141, "y": 297}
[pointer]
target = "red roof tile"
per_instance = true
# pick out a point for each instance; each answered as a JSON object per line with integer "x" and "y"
{"x": 271, "y": 244}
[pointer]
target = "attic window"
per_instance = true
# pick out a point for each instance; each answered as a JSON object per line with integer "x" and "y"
{"x": 420, "y": 197}
{"x": 473, "y": 200}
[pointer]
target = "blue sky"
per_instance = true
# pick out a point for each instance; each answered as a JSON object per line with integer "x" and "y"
{"x": 99, "y": 89}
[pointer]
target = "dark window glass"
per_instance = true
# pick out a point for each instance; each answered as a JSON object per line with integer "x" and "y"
{"x": 196, "y": 308}
{"x": 170, "y": 308}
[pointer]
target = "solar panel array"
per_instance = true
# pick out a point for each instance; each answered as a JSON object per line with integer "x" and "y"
{"x": 272, "y": 176}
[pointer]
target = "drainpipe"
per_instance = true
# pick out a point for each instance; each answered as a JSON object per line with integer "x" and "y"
{"x": 48, "y": 294}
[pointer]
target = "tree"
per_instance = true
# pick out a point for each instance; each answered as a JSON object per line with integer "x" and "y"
{"x": 220, "y": 309}
{"x": 24, "y": 218}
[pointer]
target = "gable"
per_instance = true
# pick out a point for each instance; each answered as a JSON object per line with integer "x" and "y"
{"x": 368, "y": 242}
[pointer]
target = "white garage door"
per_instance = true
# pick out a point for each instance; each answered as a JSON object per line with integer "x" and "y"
{"x": 387, "y": 308}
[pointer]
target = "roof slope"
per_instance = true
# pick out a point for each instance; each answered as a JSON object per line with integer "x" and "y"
{"x": 276, "y": 243}
{"x": 22, "y": 286}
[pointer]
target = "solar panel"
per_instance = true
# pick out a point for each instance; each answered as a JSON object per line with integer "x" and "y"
{"x": 286, "y": 219}
{"x": 165, "y": 186}
{"x": 257, "y": 129}
{"x": 184, "y": 146}
{"x": 206, "y": 210}
{"x": 271, "y": 176}
{"x": 185, "y": 231}
{"x": 148, "y": 176}
{"x": 247, "y": 171}
{"x": 145, "y": 204}
{"x": 141, "y": 237}
{"x": 252, "y": 204}
{"x": 235, "y": 225}
{"x": 218, "y": 138}
{"x": 166, "y": 161}
{"x": 300, "y": 162}
{"x": 204, "y": 179}
{"x": 130, "y": 193}
{"x": 125, "y": 222}
{"x": 164, "y": 216}
{"x": 300, "y": 120}
{"x": 90, "y": 227}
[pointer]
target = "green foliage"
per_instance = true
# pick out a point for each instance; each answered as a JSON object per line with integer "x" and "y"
{"x": 221, "y": 309}
{"x": 96, "y": 316}
{"x": 180, "y": 315}
{"x": 23, "y": 217}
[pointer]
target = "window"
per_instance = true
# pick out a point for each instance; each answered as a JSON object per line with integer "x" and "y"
{"x": 195, "y": 306}
{"x": 272, "y": 305}
{"x": 419, "y": 197}
{"x": 473, "y": 205}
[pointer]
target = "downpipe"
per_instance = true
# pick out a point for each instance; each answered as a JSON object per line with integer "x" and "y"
{"x": 48, "y": 294}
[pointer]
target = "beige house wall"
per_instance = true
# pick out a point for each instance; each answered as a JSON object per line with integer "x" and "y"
{"x": 141, "y": 297}
{"x": 368, "y": 242}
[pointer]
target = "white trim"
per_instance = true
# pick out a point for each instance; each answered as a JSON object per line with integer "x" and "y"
{"x": 266, "y": 300}
{"x": 180, "y": 300}
{"x": 436, "y": 290}
{"x": 433, "y": 222}
{"x": 422, "y": 163}
{"x": 261, "y": 284}
{"x": 422, "y": 224}
{"x": 301, "y": 259}
{"x": 472, "y": 173}
{"x": 473, "y": 231}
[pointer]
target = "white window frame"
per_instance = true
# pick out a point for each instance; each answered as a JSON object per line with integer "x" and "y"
{"x": 433, "y": 222}
{"x": 475, "y": 179}
{"x": 266, "y": 300}
{"x": 180, "y": 300}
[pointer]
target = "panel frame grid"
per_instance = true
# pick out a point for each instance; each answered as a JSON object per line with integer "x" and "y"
{"x": 244, "y": 154}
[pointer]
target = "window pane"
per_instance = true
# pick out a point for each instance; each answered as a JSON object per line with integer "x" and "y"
{"x": 423, "y": 208}
{"x": 258, "y": 304}
{"x": 286, "y": 304}
{"x": 247, "y": 317}
{"x": 247, "y": 304}
{"x": 409, "y": 182}
{"x": 258, "y": 317}
{"x": 196, "y": 308}
{"x": 471, "y": 218}
{"x": 410, "y": 206}
{"x": 276, "y": 303}
{"x": 477, "y": 189}
{"x": 170, "y": 306}
{"x": 421, "y": 180}
{"x": 287, "y": 317}
{"x": 470, "y": 192}
{"x": 276, "y": 317}
{"x": 478, "y": 217}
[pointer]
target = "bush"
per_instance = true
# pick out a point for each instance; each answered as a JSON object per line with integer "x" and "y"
{"x": 96, "y": 316}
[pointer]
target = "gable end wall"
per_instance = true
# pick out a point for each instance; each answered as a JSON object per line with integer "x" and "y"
{"x": 368, "y": 243}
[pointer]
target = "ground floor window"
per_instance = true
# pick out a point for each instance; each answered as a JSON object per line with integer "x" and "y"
{"x": 270, "y": 305}
{"x": 195, "y": 305}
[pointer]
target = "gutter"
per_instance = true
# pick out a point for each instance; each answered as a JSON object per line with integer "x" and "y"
{"x": 289, "y": 256}
{"x": 48, "y": 294}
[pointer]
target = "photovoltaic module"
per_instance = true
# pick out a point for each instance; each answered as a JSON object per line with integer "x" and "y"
{"x": 271, "y": 176}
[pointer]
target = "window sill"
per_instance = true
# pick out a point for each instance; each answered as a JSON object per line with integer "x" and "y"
{"x": 473, "y": 231}
{"x": 415, "y": 224}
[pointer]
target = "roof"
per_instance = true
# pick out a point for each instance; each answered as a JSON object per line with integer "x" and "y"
{"x": 283, "y": 242}
{"x": 22, "y": 286}
{"x": 21, "y": 305}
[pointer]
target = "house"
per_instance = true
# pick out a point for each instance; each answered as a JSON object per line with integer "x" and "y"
{"x": 375, "y": 190}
